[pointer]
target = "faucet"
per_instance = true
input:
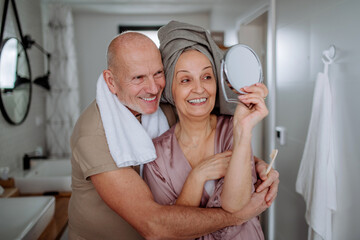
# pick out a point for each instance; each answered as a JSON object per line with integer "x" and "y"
{"x": 27, "y": 158}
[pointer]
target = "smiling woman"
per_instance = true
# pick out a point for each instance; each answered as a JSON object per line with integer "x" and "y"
{"x": 194, "y": 84}
{"x": 207, "y": 151}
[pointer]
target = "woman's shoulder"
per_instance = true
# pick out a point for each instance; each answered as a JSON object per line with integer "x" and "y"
{"x": 224, "y": 133}
{"x": 166, "y": 136}
{"x": 163, "y": 143}
{"x": 225, "y": 117}
{"x": 224, "y": 121}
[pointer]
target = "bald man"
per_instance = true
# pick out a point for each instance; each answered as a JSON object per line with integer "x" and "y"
{"x": 108, "y": 202}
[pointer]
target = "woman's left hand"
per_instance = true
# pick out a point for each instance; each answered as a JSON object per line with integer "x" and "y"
{"x": 253, "y": 109}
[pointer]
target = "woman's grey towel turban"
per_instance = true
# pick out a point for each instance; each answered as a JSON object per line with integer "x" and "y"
{"x": 174, "y": 38}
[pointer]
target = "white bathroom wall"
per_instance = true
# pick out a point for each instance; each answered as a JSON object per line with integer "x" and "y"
{"x": 227, "y": 17}
{"x": 17, "y": 140}
{"x": 305, "y": 29}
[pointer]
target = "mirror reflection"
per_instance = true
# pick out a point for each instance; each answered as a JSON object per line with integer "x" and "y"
{"x": 15, "y": 83}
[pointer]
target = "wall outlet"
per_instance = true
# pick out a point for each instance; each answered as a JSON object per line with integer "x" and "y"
{"x": 281, "y": 135}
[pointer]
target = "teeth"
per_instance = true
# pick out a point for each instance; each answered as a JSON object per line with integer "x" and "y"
{"x": 199, "y": 100}
{"x": 149, "y": 99}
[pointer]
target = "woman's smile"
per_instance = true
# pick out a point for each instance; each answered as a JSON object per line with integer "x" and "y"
{"x": 197, "y": 101}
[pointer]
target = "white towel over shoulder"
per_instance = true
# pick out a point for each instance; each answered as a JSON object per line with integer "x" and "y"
{"x": 129, "y": 142}
{"x": 316, "y": 178}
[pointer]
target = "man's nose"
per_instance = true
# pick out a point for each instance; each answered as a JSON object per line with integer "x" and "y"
{"x": 151, "y": 86}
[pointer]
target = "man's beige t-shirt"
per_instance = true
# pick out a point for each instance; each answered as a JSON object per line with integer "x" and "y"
{"x": 89, "y": 216}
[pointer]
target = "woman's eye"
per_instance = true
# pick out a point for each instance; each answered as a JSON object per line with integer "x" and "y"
{"x": 185, "y": 80}
{"x": 207, "y": 77}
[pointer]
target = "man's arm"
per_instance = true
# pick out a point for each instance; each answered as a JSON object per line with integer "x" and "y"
{"x": 128, "y": 195}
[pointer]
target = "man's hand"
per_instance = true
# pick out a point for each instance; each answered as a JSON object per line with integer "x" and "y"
{"x": 254, "y": 207}
{"x": 270, "y": 181}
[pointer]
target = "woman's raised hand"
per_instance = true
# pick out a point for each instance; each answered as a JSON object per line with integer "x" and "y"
{"x": 253, "y": 109}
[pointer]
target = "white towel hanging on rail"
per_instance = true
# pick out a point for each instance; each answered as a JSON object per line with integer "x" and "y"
{"x": 316, "y": 180}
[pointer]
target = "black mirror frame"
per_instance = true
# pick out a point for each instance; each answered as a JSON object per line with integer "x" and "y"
{"x": 2, "y": 107}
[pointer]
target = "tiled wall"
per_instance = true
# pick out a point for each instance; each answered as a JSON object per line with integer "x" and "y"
{"x": 17, "y": 140}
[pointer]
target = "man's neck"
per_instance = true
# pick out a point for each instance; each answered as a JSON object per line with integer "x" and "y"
{"x": 136, "y": 114}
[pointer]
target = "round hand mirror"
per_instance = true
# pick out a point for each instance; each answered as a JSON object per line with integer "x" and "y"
{"x": 240, "y": 67}
{"x": 15, "y": 81}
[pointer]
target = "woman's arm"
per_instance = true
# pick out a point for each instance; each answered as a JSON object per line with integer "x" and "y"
{"x": 211, "y": 168}
{"x": 237, "y": 187}
{"x": 238, "y": 179}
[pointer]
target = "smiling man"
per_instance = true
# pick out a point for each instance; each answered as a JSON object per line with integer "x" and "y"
{"x": 111, "y": 202}
{"x": 135, "y": 74}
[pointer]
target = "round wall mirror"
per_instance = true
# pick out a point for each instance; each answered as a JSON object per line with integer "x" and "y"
{"x": 240, "y": 67}
{"x": 15, "y": 81}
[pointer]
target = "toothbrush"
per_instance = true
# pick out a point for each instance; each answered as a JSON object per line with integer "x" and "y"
{"x": 272, "y": 156}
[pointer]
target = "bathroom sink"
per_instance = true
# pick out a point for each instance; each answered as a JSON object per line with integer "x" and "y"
{"x": 52, "y": 175}
{"x": 25, "y": 217}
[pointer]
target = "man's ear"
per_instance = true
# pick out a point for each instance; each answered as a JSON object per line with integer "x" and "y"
{"x": 110, "y": 81}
